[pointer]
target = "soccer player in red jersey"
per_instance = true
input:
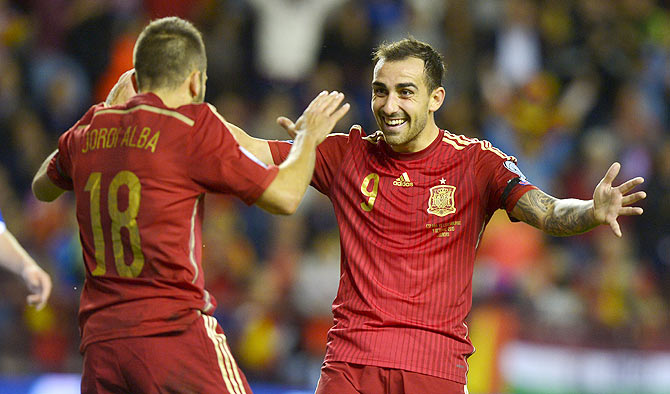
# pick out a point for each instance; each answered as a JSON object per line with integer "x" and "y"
{"x": 139, "y": 172}
{"x": 411, "y": 203}
{"x": 15, "y": 258}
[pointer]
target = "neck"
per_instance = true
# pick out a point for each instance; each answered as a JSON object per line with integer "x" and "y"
{"x": 172, "y": 98}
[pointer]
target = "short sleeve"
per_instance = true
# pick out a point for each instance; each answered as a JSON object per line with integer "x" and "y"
{"x": 59, "y": 169}
{"x": 219, "y": 164}
{"x": 329, "y": 156}
{"x": 500, "y": 180}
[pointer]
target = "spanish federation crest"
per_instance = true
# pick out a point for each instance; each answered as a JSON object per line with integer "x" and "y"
{"x": 441, "y": 201}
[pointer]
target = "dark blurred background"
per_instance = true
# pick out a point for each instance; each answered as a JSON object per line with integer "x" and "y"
{"x": 566, "y": 86}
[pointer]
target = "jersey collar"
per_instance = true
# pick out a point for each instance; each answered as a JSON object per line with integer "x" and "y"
{"x": 414, "y": 155}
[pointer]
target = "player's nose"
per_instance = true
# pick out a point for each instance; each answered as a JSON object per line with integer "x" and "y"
{"x": 390, "y": 105}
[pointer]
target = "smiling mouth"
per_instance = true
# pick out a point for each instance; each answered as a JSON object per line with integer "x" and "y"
{"x": 394, "y": 122}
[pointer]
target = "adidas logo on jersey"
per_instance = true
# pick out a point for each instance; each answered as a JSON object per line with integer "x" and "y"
{"x": 403, "y": 180}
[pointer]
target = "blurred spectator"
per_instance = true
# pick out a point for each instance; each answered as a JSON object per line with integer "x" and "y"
{"x": 288, "y": 36}
{"x": 566, "y": 86}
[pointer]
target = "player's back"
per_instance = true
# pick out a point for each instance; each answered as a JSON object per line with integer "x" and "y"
{"x": 139, "y": 213}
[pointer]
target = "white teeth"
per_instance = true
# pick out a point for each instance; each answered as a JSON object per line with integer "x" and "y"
{"x": 395, "y": 122}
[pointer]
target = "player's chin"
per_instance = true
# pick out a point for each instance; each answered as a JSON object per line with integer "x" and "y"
{"x": 393, "y": 138}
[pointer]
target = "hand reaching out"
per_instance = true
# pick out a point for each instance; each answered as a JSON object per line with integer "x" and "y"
{"x": 288, "y": 125}
{"x": 39, "y": 285}
{"x": 610, "y": 202}
{"x": 123, "y": 90}
{"x": 319, "y": 117}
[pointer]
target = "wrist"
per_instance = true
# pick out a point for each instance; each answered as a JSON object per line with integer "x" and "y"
{"x": 306, "y": 138}
{"x": 593, "y": 216}
{"x": 27, "y": 268}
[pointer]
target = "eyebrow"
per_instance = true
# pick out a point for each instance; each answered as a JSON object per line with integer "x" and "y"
{"x": 398, "y": 86}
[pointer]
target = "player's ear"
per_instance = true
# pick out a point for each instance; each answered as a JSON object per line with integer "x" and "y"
{"x": 194, "y": 84}
{"x": 436, "y": 99}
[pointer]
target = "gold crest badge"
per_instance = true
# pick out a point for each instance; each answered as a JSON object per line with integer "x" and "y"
{"x": 441, "y": 202}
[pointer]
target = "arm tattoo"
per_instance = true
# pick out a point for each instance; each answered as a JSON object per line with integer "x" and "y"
{"x": 553, "y": 216}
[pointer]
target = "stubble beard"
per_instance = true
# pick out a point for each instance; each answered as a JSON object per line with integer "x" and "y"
{"x": 416, "y": 127}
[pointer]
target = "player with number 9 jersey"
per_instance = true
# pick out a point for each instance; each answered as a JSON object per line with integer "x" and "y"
{"x": 409, "y": 228}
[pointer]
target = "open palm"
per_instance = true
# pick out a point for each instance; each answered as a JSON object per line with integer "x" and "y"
{"x": 610, "y": 202}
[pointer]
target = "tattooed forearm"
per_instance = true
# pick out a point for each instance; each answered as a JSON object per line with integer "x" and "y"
{"x": 533, "y": 206}
{"x": 554, "y": 216}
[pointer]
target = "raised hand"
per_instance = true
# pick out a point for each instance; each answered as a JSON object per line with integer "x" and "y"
{"x": 610, "y": 202}
{"x": 319, "y": 117}
{"x": 288, "y": 125}
{"x": 123, "y": 90}
{"x": 39, "y": 285}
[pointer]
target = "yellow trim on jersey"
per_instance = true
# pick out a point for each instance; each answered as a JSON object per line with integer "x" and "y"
{"x": 486, "y": 145}
{"x": 455, "y": 141}
{"x": 227, "y": 366}
{"x": 452, "y": 143}
{"x": 149, "y": 108}
{"x": 191, "y": 241}
{"x": 463, "y": 139}
{"x": 459, "y": 142}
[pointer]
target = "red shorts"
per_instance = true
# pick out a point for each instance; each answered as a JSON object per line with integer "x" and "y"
{"x": 346, "y": 378}
{"x": 196, "y": 360}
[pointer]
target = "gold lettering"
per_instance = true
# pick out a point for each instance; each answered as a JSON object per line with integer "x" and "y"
{"x": 93, "y": 140}
{"x": 126, "y": 135}
{"x": 124, "y": 140}
{"x": 84, "y": 149}
{"x": 130, "y": 141}
{"x": 153, "y": 142}
{"x": 111, "y": 138}
{"x": 102, "y": 138}
{"x": 143, "y": 137}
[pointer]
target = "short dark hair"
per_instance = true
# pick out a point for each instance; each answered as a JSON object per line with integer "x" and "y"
{"x": 166, "y": 52}
{"x": 433, "y": 63}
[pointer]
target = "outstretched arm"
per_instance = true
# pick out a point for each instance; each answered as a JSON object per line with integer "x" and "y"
{"x": 43, "y": 188}
{"x": 16, "y": 259}
{"x": 258, "y": 147}
{"x": 123, "y": 90}
{"x": 295, "y": 173}
{"x": 563, "y": 217}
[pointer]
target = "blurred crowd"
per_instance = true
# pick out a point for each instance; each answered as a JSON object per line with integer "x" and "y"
{"x": 567, "y": 87}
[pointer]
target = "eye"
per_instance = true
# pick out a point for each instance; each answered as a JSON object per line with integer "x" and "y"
{"x": 406, "y": 92}
{"x": 377, "y": 91}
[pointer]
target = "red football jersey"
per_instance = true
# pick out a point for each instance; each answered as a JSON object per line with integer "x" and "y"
{"x": 139, "y": 173}
{"x": 409, "y": 227}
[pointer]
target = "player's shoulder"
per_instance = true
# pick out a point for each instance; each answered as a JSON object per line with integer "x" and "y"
{"x": 92, "y": 111}
{"x": 149, "y": 103}
{"x": 472, "y": 146}
{"x": 357, "y": 134}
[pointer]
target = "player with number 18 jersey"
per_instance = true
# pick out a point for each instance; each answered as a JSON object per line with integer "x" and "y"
{"x": 139, "y": 172}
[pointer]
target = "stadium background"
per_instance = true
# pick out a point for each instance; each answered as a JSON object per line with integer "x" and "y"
{"x": 566, "y": 86}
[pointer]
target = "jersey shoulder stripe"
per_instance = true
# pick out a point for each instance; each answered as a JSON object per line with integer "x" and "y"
{"x": 460, "y": 142}
{"x": 145, "y": 107}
